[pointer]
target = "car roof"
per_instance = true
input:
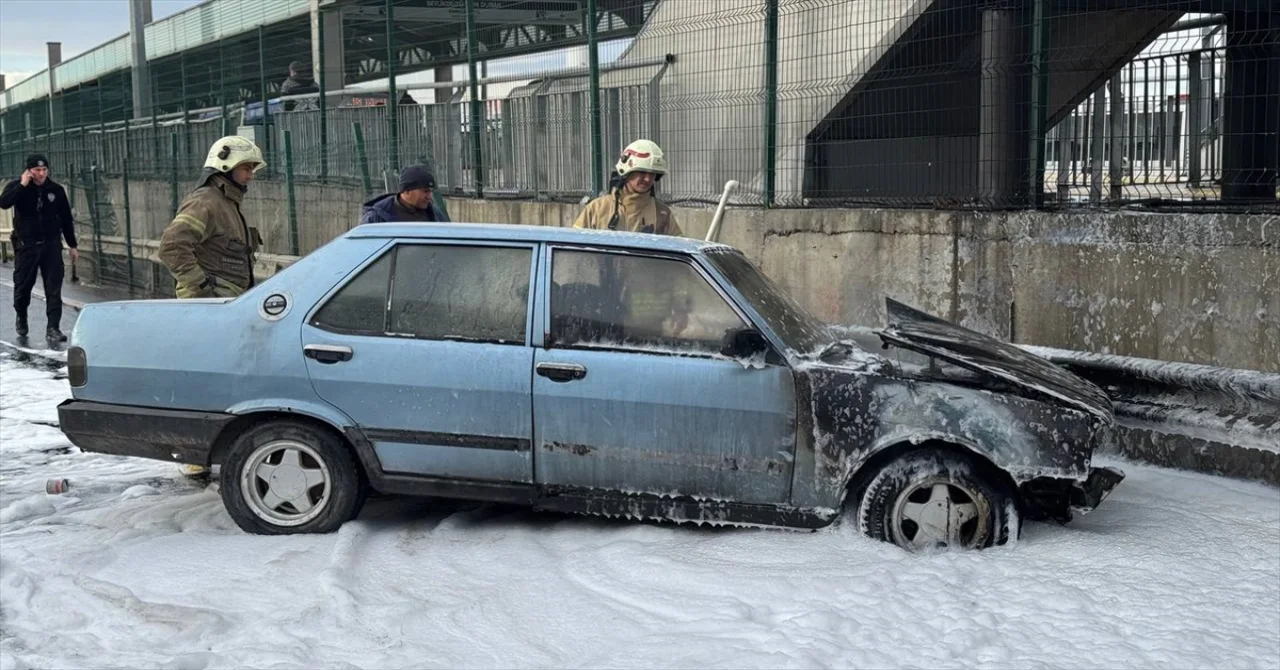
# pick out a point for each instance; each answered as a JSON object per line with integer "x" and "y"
{"x": 530, "y": 233}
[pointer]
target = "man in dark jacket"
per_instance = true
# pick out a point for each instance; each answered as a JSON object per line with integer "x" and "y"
{"x": 413, "y": 203}
{"x": 42, "y": 214}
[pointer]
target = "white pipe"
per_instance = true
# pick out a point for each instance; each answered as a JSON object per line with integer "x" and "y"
{"x": 729, "y": 186}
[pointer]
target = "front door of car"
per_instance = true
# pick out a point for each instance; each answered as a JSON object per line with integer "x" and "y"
{"x": 630, "y": 395}
{"x": 426, "y": 349}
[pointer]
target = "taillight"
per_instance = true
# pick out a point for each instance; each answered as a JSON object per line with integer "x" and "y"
{"x": 77, "y": 367}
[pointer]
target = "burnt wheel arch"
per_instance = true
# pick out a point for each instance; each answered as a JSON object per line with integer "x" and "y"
{"x": 861, "y": 477}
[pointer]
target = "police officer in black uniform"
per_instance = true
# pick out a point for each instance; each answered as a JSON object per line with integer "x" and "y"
{"x": 41, "y": 215}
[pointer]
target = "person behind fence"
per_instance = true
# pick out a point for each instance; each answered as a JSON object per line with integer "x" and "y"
{"x": 299, "y": 80}
{"x": 415, "y": 200}
{"x": 41, "y": 220}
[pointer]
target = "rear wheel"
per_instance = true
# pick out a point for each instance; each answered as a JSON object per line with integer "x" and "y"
{"x": 934, "y": 498}
{"x": 288, "y": 477}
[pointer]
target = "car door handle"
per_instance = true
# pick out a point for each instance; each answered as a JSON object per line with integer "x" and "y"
{"x": 327, "y": 353}
{"x": 561, "y": 372}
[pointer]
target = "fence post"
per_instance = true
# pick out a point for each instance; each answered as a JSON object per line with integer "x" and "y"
{"x": 324, "y": 116}
{"x": 288, "y": 186}
{"x": 1117, "y": 133}
{"x": 155, "y": 122}
{"x": 92, "y": 194}
{"x": 266, "y": 107}
{"x": 222, "y": 98}
{"x": 393, "y": 100}
{"x": 477, "y": 158}
{"x": 1039, "y": 96}
{"x": 71, "y": 193}
{"x": 1097, "y": 129}
{"x": 770, "y": 100}
{"x": 173, "y": 174}
{"x": 361, "y": 158}
{"x": 1194, "y": 123}
{"x": 597, "y": 141}
{"x": 128, "y": 214}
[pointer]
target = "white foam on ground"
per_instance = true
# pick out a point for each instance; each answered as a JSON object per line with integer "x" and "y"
{"x": 138, "y": 567}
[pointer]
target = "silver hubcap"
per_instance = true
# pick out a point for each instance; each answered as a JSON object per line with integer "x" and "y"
{"x": 286, "y": 483}
{"x": 940, "y": 513}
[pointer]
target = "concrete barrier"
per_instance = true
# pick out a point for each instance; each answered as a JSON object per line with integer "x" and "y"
{"x": 1189, "y": 287}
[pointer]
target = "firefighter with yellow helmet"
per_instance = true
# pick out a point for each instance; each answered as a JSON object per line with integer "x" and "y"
{"x": 209, "y": 248}
{"x": 657, "y": 306}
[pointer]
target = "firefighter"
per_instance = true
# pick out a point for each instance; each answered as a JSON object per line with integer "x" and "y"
{"x": 631, "y": 204}
{"x": 209, "y": 247}
{"x": 41, "y": 220}
{"x": 657, "y": 307}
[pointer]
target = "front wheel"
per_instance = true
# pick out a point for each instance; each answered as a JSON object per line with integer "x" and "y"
{"x": 935, "y": 499}
{"x": 287, "y": 477}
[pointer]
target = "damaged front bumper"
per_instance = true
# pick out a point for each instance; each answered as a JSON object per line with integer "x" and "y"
{"x": 1049, "y": 498}
{"x": 1085, "y": 497}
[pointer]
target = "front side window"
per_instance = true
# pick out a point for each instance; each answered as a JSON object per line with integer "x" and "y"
{"x": 627, "y": 301}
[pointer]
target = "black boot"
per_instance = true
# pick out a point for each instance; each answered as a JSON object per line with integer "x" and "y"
{"x": 22, "y": 325}
{"x": 54, "y": 335}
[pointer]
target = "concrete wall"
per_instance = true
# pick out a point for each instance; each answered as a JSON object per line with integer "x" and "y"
{"x": 1198, "y": 288}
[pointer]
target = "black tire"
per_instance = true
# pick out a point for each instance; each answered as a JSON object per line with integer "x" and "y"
{"x": 884, "y": 509}
{"x": 335, "y": 502}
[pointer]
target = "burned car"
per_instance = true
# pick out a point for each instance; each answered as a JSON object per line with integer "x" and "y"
{"x": 594, "y": 372}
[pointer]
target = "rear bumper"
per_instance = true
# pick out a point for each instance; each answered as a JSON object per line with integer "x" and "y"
{"x": 177, "y": 436}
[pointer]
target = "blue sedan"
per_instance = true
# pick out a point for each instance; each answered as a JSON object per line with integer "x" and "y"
{"x": 593, "y": 372}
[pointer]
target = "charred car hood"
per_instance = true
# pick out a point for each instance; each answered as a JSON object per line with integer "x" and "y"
{"x": 913, "y": 329}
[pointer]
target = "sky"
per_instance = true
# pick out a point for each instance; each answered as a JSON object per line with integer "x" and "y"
{"x": 26, "y": 25}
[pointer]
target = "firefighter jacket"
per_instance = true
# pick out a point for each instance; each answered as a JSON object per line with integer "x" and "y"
{"x": 208, "y": 247}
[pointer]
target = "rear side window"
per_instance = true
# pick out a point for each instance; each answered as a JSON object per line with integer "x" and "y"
{"x": 451, "y": 292}
{"x": 436, "y": 292}
{"x": 360, "y": 307}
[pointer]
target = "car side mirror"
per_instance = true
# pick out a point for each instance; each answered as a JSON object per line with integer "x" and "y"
{"x": 743, "y": 343}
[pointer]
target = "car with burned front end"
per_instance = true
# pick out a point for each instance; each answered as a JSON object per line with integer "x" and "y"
{"x": 594, "y": 372}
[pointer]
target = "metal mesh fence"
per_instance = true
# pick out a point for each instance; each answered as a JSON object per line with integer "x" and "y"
{"x": 987, "y": 104}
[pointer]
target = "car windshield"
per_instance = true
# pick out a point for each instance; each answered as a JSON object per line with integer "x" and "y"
{"x": 799, "y": 329}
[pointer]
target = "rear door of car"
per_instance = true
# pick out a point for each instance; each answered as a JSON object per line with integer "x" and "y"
{"x": 426, "y": 348}
{"x": 621, "y": 404}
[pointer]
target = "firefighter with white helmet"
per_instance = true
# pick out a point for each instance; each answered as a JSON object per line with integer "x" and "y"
{"x": 209, "y": 248}
{"x": 631, "y": 204}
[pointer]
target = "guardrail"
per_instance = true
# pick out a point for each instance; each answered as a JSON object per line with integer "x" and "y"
{"x": 1217, "y": 420}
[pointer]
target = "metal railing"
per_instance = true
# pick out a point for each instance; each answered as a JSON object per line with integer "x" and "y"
{"x": 822, "y": 103}
{"x": 1165, "y": 142}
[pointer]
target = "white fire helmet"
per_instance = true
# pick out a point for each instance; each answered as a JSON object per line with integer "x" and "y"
{"x": 232, "y": 150}
{"x": 644, "y": 156}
